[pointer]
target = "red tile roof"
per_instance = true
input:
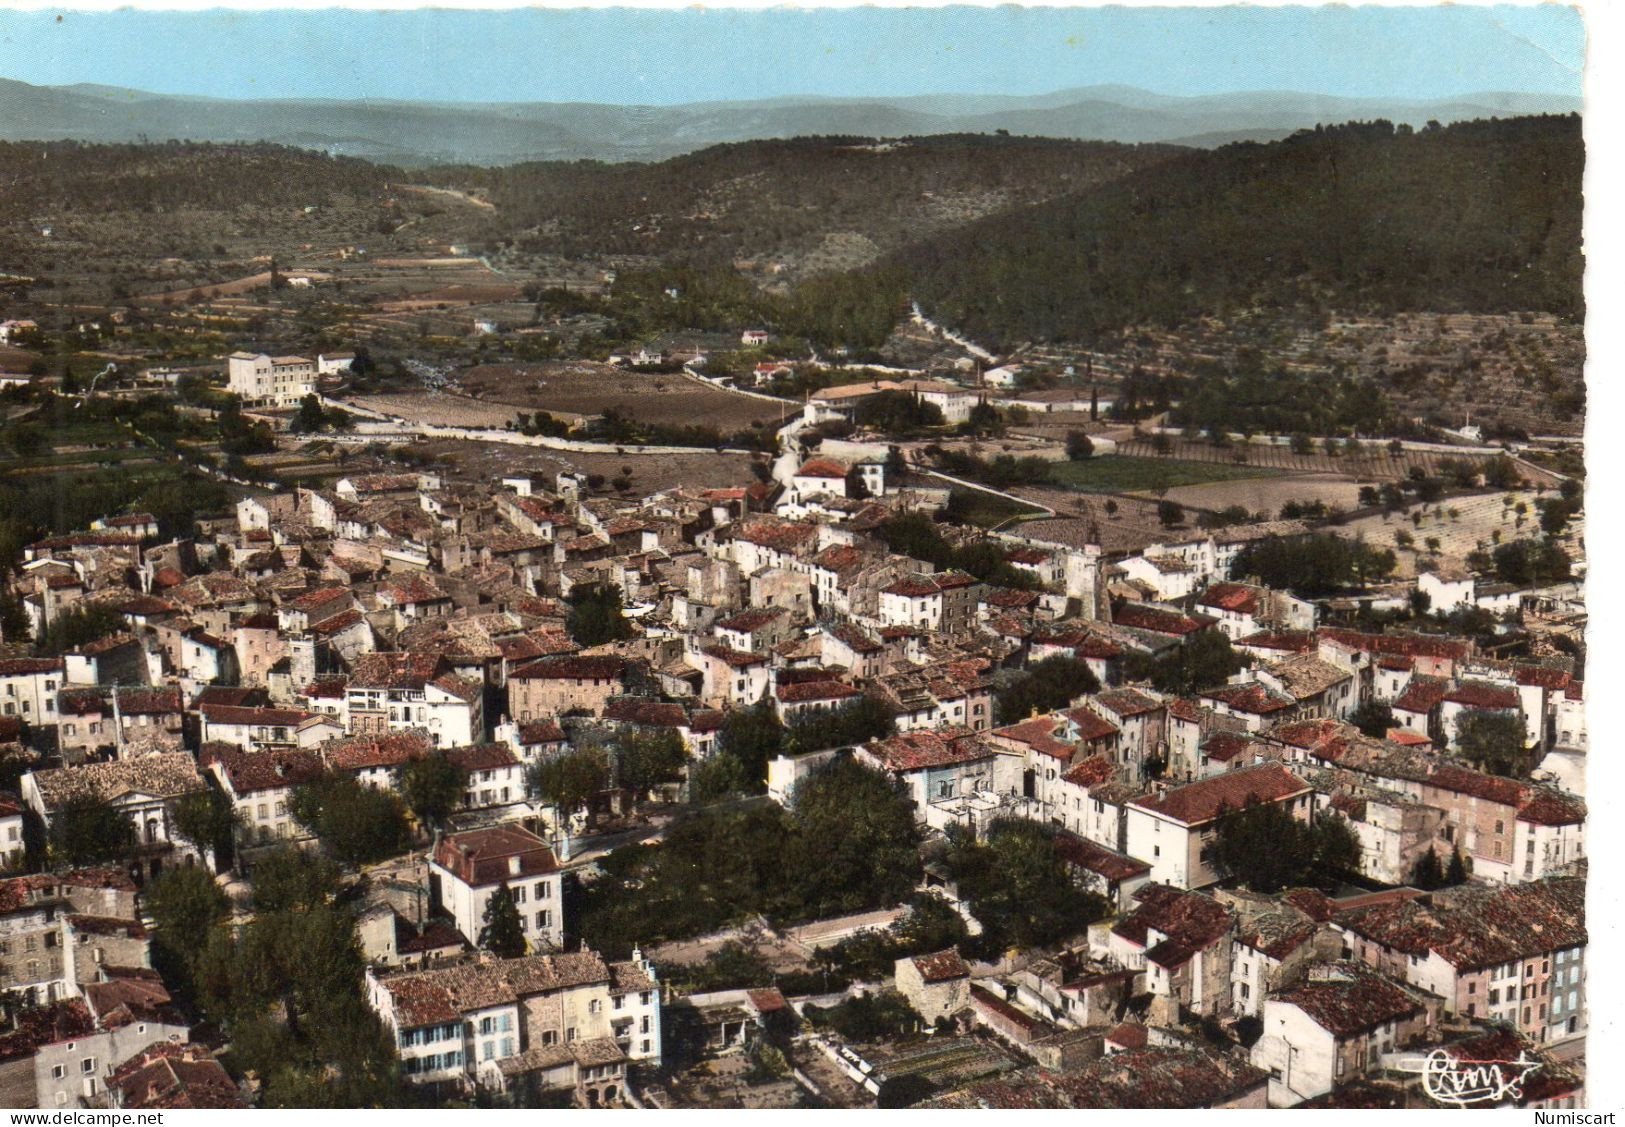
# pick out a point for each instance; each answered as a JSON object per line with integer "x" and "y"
{"x": 1484, "y": 695}
{"x": 1201, "y": 801}
{"x": 486, "y": 857}
{"x": 1236, "y": 597}
{"x": 941, "y": 966}
{"x": 1252, "y": 697}
{"x": 1346, "y": 1006}
{"x": 1095, "y": 858}
{"x": 1141, "y": 617}
{"x": 1422, "y": 694}
{"x": 567, "y": 667}
{"x": 914, "y": 751}
{"x": 815, "y": 690}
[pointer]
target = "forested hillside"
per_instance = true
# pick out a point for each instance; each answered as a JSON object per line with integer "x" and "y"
{"x": 55, "y": 177}
{"x": 1481, "y": 216}
{"x": 807, "y": 205}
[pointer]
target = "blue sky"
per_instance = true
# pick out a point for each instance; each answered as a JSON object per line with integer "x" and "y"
{"x": 684, "y": 55}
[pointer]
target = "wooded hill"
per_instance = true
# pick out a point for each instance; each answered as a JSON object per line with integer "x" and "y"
{"x": 815, "y": 203}
{"x": 55, "y": 177}
{"x": 1480, "y": 217}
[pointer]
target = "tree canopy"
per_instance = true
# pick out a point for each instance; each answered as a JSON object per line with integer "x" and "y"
{"x": 356, "y": 824}
{"x": 502, "y": 932}
{"x": 1018, "y": 888}
{"x": 1492, "y": 741}
{"x": 1267, "y": 849}
{"x": 595, "y": 615}
{"x": 1045, "y": 686}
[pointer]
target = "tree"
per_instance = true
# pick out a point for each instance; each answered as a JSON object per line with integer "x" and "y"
{"x": 290, "y": 879}
{"x": 89, "y": 831}
{"x": 1170, "y": 513}
{"x": 570, "y": 780}
{"x": 71, "y": 629}
{"x": 1457, "y": 871}
{"x": 1428, "y": 874}
{"x": 1492, "y": 741}
{"x": 1267, "y": 849}
{"x": 644, "y": 760}
{"x": 502, "y": 932}
{"x": 1205, "y": 660}
{"x": 1045, "y": 686}
{"x": 432, "y": 787}
{"x": 1079, "y": 446}
{"x": 357, "y": 824}
{"x": 1313, "y": 565}
{"x": 1018, "y": 888}
{"x": 207, "y": 819}
{"x": 186, "y": 906}
{"x": 1554, "y": 517}
{"x": 1373, "y": 717}
{"x": 1531, "y": 563}
{"x": 595, "y": 615}
{"x": 752, "y": 736}
{"x": 853, "y": 841}
{"x": 311, "y": 418}
{"x": 867, "y": 718}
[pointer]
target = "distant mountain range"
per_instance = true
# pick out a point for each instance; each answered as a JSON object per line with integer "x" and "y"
{"x": 418, "y": 133}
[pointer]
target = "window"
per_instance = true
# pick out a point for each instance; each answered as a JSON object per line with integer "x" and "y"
{"x": 544, "y": 919}
{"x": 518, "y": 894}
{"x": 644, "y": 1026}
{"x": 595, "y": 1006}
{"x": 58, "y": 1071}
{"x": 88, "y": 1065}
{"x": 570, "y": 1034}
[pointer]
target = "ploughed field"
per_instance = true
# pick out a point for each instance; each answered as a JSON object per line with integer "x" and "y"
{"x": 585, "y": 387}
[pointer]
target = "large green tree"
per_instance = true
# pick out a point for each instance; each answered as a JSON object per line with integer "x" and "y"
{"x": 502, "y": 932}
{"x": 571, "y": 780}
{"x": 431, "y": 787}
{"x": 853, "y": 840}
{"x": 1492, "y": 741}
{"x": 208, "y": 821}
{"x": 1267, "y": 849}
{"x": 1045, "y": 686}
{"x": 595, "y": 615}
{"x": 1020, "y": 891}
{"x": 356, "y": 824}
{"x": 88, "y": 831}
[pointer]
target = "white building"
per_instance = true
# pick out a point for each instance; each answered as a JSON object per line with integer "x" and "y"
{"x": 28, "y": 687}
{"x": 1177, "y": 831}
{"x": 562, "y": 1022}
{"x": 269, "y": 381}
{"x": 468, "y": 868}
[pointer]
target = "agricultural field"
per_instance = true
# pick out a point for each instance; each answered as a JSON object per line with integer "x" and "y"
{"x": 440, "y": 409}
{"x": 1116, "y": 473}
{"x": 1268, "y": 494}
{"x": 651, "y": 473}
{"x": 584, "y": 387}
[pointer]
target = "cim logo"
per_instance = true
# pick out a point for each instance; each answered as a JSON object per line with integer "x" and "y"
{"x": 1459, "y": 1082}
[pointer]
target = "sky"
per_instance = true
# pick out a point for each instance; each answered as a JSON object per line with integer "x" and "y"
{"x": 661, "y": 57}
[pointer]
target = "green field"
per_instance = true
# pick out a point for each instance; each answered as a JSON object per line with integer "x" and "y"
{"x": 1112, "y": 473}
{"x": 987, "y": 510}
